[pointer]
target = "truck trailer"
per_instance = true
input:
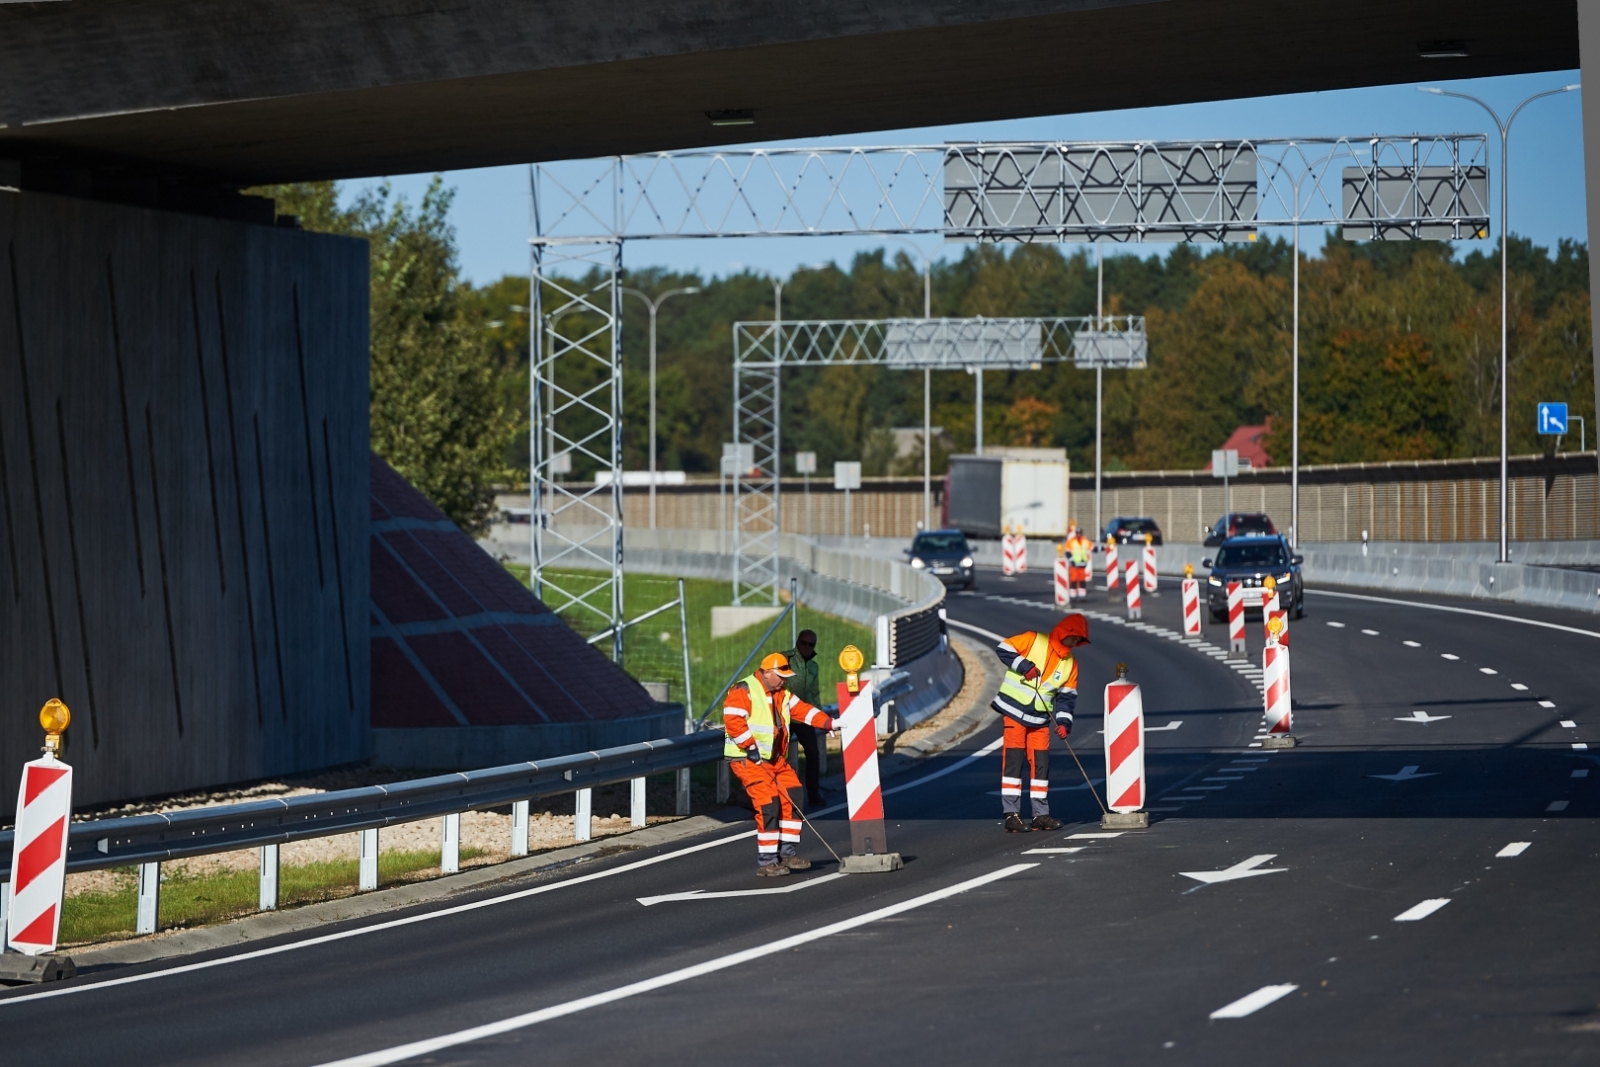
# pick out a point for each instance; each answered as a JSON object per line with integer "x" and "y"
{"x": 1026, "y": 489}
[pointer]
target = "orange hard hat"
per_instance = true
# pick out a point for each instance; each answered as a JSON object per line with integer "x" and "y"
{"x": 778, "y": 662}
{"x": 1072, "y": 626}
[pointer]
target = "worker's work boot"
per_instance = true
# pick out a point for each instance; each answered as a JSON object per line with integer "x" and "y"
{"x": 772, "y": 870}
{"x": 1045, "y": 822}
{"x": 795, "y": 863}
{"x": 1015, "y": 825}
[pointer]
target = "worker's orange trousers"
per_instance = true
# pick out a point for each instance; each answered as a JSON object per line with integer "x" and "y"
{"x": 777, "y": 826}
{"x": 1025, "y": 746}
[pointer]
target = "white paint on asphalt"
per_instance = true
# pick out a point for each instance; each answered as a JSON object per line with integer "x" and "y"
{"x": 1457, "y": 611}
{"x": 1336, "y": 625}
{"x": 1547, "y": 703}
{"x": 1052, "y": 851}
{"x": 980, "y": 631}
{"x": 1248, "y": 1005}
{"x": 1557, "y": 805}
{"x": 1095, "y": 836}
{"x": 1583, "y": 773}
{"x": 1519, "y": 687}
{"x": 700, "y": 894}
{"x": 1569, "y": 724}
{"x": 1173, "y": 725}
{"x": 1220, "y": 778}
{"x": 1516, "y": 848}
{"x": 1446, "y": 655}
{"x": 411, "y": 1050}
{"x": 1243, "y": 869}
{"x": 1487, "y": 670}
{"x": 1370, "y": 633}
{"x": 1421, "y": 911}
{"x": 1580, "y": 745}
{"x": 1405, "y": 774}
{"x": 1420, "y": 716}
{"x": 1412, "y": 644}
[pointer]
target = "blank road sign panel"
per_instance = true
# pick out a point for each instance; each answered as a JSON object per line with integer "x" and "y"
{"x": 847, "y": 475}
{"x": 1385, "y": 203}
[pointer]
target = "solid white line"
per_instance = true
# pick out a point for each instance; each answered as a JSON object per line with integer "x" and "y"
{"x": 980, "y": 631}
{"x": 1516, "y": 848}
{"x": 1095, "y": 836}
{"x": 695, "y": 894}
{"x": 1421, "y": 911}
{"x": 517, "y": 1022}
{"x": 1051, "y": 851}
{"x": 1254, "y": 1002}
{"x": 1458, "y": 611}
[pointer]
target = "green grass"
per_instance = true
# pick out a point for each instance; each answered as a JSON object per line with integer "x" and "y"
{"x": 653, "y": 653}
{"x": 196, "y": 900}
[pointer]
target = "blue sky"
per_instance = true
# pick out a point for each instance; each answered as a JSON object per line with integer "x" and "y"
{"x": 491, "y": 207}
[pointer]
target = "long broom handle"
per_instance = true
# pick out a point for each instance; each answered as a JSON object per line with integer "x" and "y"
{"x": 814, "y": 830}
{"x": 1085, "y": 774}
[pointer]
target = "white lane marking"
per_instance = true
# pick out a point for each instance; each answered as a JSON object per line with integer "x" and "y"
{"x": 1243, "y": 869}
{"x": 1406, "y": 774}
{"x": 1254, "y": 1002}
{"x": 1580, "y": 745}
{"x": 1336, "y": 625}
{"x": 1370, "y": 633}
{"x": 700, "y": 894}
{"x": 413, "y": 1049}
{"x": 1487, "y": 670}
{"x": 1547, "y": 703}
{"x": 980, "y": 631}
{"x": 1583, "y": 773}
{"x": 474, "y": 905}
{"x": 1254, "y": 744}
{"x": 1519, "y": 687}
{"x": 1516, "y": 848}
{"x": 1457, "y": 611}
{"x": 1569, "y": 724}
{"x": 1446, "y": 655}
{"x": 1052, "y": 851}
{"x": 1420, "y": 716}
{"x": 1220, "y": 778}
{"x": 1421, "y": 911}
{"x": 1207, "y": 788}
{"x": 1173, "y": 725}
{"x": 1261, "y": 760}
{"x": 1094, "y": 836}
{"x": 1412, "y": 644}
{"x": 1557, "y": 805}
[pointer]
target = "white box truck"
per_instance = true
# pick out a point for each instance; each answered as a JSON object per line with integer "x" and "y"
{"x": 1023, "y": 488}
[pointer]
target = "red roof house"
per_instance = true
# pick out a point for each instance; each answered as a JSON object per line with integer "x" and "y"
{"x": 1246, "y": 440}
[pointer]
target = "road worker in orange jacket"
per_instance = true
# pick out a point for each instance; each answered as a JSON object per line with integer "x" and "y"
{"x": 756, "y": 715}
{"x": 1079, "y": 547}
{"x": 1041, "y": 685}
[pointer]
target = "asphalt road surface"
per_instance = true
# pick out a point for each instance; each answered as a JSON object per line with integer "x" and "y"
{"x": 1415, "y": 883}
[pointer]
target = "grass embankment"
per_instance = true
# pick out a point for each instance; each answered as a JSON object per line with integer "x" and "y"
{"x": 653, "y": 652}
{"x": 199, "y": 899}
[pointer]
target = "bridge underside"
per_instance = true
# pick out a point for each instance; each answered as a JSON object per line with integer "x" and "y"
{"x": 306, "y": 89}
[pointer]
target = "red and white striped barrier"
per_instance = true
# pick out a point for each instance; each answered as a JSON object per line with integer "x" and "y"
{"x": 1132, "y": 578}
{"x": 1236, "y": 645}
{"x": 1008, "y": 559}
{"x": 1125, "y": 790}
{"x": 39, "y": 856}
{"x": 1150, "y": 568}
{"x": 863, "y": 792}
{"x": 1019, "y": 544}
{"x": 1063, "y": 582}
{"x": 1112, "y": 572}
{"x": 1275, "y": 668}
{"x": 1191, "y": 607}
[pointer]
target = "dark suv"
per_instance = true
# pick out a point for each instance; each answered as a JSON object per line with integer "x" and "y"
{"x": 1239, "y": 524}
{"x": 946, "y": 553}
{"x": 1248, "y": 560}
{"x": 1126, "y": 529}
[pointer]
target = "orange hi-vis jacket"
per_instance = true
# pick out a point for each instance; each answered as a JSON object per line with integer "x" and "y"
{"x": 1053, "y": 693}
{"x": 786, "y": 707}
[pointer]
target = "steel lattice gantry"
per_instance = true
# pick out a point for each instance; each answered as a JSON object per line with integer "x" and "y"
{"x": 762, "y": 350}
{"x": 1375, "y": 188}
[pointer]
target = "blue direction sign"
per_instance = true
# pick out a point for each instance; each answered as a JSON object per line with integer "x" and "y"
{"x": 1552, "y": 418}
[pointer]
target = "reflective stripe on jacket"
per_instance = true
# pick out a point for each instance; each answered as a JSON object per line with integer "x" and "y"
{"x": 1079, "y": 548}
{"x": 749, "y": 718}
{"x": 1053, "y": 694}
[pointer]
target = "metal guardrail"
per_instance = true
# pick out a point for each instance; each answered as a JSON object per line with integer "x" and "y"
{"x": 141, "y": 839}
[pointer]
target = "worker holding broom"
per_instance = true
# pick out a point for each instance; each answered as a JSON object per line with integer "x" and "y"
{"x": 1039, "y": 693}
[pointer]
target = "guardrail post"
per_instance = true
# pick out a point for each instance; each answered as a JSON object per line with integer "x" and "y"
{"x": 369, "y": 860}
{"x": 519, "y": 828}
{"x": 149, "y": 898}
{"x": 723, "y": 786}
{"x": 636, "y": 802}
{"x": 5, "y": 906}
{"x": 582, "y": 830}
{"x": 450, "y": 844}
{"x": 267, "y": 900}
{"x": 681, "y": 801}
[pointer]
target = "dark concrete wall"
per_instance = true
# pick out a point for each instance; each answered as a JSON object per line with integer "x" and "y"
{"x": 183, "y": 495}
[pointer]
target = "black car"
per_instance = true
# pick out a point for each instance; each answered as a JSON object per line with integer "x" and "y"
{"x": 1239, "y": 524}
{"x": 1126, "y": 529}
{"x": 1248, "y": 560}
{"x": 947, "y": 554}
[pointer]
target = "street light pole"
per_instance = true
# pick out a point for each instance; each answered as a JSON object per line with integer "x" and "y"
{"x": 654, "y": 306}
{"x": 927, "y": 393}
{"x": 1099, "y": 381}
{"x": 1505, "y": 135}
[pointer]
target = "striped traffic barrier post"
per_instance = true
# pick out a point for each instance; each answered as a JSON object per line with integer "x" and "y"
{"x": 1008, "y": 561}
{"x": 1063, "y": 582}
{"x": 1124, "y": 739}
{"x": 1236, "y": 645}
{"x": 1019, "y": 545}
{"x": 39, "y": 856}
{"x": 1112, "y": 571}
{"x": 1276, "y": 692}
{"x": 1134, "y": 586}
{"x": 863, "y": 791}
{"x": 1269, "y": 606}
{"x": 1150, "y": 585}
{"x": 1191, "y": 601}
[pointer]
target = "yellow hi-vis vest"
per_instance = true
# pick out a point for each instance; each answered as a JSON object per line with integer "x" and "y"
{"x": 1037, "y": 696}
{"x": 762, "y": 724}
{"x": 1078, "y": 548}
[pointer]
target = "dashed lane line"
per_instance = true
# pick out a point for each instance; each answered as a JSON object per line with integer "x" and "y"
{"x": 1447, "y": 655}
{"x": 1456, "y": 611}
{"x": 1421, "y": 911}
{"x": 1556, "y": 805}
{"x": 1569, "y": 724}
{"x": 1254, "y": 1002}
{"x": 1516, "y": 848}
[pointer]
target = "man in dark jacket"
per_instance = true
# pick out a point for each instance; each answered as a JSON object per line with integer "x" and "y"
{"x": 805, "y": 685}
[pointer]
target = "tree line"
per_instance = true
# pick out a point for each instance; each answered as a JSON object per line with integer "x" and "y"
{"x": 1399, "y": 352}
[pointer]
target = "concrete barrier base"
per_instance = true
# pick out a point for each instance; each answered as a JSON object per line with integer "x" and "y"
{"x": 1279, "y": 741}
{"x": 1125, "y": 820}
{"x": 17, "y": 969}
{"x": 878, "y": 863}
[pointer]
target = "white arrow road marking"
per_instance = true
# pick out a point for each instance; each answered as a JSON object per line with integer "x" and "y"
{"x": 700, "y": 894}
{"x": 1516, "y": 848}
{"x": 1422, "y": 717}
{"x": 1254, "y": 1002}
{"x": 1243, "y": 869}
{"x": 1421, "y": 911}
{"x": 1173, "y": 725}
{"x": 1406, "y": 774}
{"x": 414, "y": 1049}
